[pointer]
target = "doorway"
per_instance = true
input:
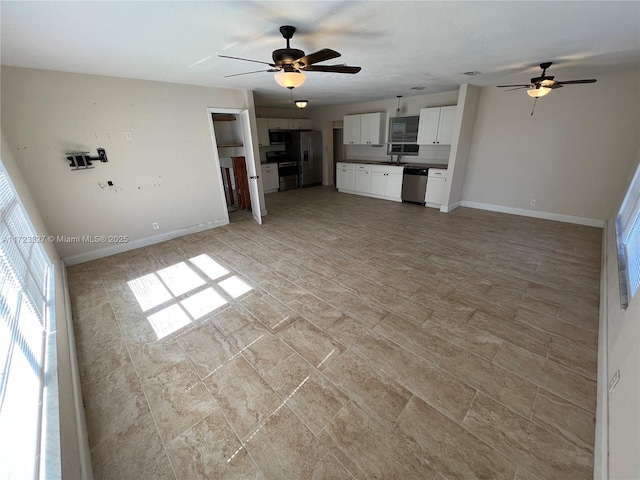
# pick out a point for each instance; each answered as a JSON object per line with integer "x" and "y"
{"x": 233, "y": 148}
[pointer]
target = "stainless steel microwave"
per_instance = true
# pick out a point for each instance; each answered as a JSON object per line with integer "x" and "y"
{"x": 279, "y": 137}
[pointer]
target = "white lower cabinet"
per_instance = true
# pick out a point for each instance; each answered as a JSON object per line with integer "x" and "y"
{"x": 386, "y": 181}
{"x": 344, "y": 176}
{"x": 394, "y": 184}
{"x": 381, "y": 181}
{"x": 436, "y": 184}
{"x": 378, "y": 182}
{"x": 270, "y": 179}
{"x": 361, "y": 180}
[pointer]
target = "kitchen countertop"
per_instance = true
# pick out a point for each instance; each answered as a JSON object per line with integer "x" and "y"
{"x": 401, "y": 164}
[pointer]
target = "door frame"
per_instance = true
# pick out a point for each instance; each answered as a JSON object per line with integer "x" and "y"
{"x": 247, "y": 142}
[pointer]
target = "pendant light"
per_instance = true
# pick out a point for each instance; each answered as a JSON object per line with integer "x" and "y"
{"x": 398, "y": 109}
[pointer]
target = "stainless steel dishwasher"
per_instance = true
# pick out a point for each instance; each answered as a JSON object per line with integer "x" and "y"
{"x": 414, "y": 184}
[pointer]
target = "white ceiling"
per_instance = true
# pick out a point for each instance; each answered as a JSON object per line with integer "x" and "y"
{"x": 399, "y": 45}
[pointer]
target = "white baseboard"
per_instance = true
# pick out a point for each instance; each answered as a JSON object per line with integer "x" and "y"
{"x": 68, "y": 366}
{"x": 558, "y": 217}
{"x": 142, "y": 242}
{"x": 449, "y": 208}
{"x": 601, "y": 447}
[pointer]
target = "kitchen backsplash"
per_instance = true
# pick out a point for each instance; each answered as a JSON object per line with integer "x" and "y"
{"x": 427, "y": 153}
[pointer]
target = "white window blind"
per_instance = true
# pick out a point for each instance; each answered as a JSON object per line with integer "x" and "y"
{"x": 24, "y": 272}
{"x": 628, "y": 233}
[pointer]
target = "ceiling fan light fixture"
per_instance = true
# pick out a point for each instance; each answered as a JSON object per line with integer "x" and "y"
{"x": 290, "y": 79}
{"x": 301, "y": 103}
{"x": 538, "y": 92}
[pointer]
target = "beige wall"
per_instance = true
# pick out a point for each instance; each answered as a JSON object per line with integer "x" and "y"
{"x": 623, "y": 353}
{"x": 166, "y": 174}
{"x": 571, "y": 155}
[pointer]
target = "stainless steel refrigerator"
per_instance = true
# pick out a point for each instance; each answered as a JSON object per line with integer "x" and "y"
{"x": 306, "y": 149}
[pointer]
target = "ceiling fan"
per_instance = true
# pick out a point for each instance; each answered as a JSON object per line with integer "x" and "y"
{"x": 543, "y": 84}
{"x": 289, "y": 64}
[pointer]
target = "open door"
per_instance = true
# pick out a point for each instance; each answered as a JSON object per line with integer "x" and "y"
{"x": 236, "y": 148}
{"x": 251, "y": 166}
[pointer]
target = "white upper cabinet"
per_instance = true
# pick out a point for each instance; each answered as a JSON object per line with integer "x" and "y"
{"x": 351, "y": 130}
{"x": 428, "y": 126}
{"x": 279, "y": 123}
{"x": 436, "y": 125}
{"x": 365, "y": 129}
{"x": 266, "y": 124}
{"x": 372, "y": 128}
{"x": 445, "y": 126}
{"x": 301, "y": 124}
{"x": 289, "y": 124}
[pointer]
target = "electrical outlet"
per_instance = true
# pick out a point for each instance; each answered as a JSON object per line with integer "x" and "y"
{"x": 613, "y": 381}
{"x": 128, "y": 135}
{"x": 532, "y": 202}
{"x": 155, "y": 226}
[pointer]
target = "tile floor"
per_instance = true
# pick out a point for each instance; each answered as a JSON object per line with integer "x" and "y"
{"x": 347, "y": 337}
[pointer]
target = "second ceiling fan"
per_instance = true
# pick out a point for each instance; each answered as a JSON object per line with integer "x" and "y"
{"x": 289, "y": 64}
{"x": 543, "y": 84}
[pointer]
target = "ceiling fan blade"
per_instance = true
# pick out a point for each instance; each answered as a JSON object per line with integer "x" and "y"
{"x": 518, "y": 88}
{"x": 587, "y": 80}
{"x": 332, "y": 68}
{"x": 247, "y": 60}
{"x": 520, "y": 85}
{"x": 319, "y": 56}
{"x": 255, "y": 71}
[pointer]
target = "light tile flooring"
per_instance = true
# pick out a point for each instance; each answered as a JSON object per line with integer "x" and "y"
{"x": 347, "y": 337}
